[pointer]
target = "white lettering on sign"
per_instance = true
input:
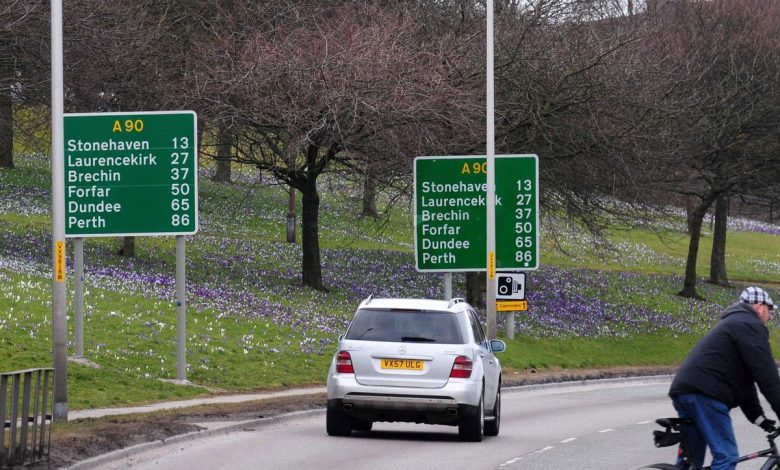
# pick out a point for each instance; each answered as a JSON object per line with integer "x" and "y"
{"x": 451, "y": 244}
{"x": 445, "y": 229}
{"x": 459, "y": 187}
{"x": 101, "y": 206}
{"x": 453, "y": 201}
{"x": 450, "y": 202}
{"x": 78, "y": 145}
{"x": 446, "y": 258}
{"x": 451, "y": 216}
{"x": 93, "y": 191}
{"x": 127, "y": 160}
{"x": 94, "y": 222}
{"x": 101, "y": 176}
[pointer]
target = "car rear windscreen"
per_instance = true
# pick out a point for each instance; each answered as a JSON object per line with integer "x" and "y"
{"x": 405, "y": 326}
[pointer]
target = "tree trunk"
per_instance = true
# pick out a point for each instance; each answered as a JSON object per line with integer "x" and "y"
{"x": 718, "y": 258}
{"x": 310, "y": 238}
{"x": 291, "y": 216}
{"x": 690, "y": 208}
{"x": 225, "y": 143}
{"x": 475, "y": 289}
{"x": 6, "y": 130}
{"x": 695, "y": 221}
{"x": 369, "y": 195}
{"x": 128, "y": 247}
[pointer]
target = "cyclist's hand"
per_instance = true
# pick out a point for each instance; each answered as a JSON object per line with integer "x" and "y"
{"x": 767, "y": 425}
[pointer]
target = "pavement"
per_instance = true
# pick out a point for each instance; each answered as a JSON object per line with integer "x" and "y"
{"x": 170, "y": 405}
{"x": 209, "y": 428}
{"x": 109, "y": 461}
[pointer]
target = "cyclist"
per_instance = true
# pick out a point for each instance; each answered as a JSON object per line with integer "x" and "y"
{"x": 720, "y": 373}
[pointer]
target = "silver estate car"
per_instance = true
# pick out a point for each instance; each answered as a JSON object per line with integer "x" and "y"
{"x": 418, "y": 361}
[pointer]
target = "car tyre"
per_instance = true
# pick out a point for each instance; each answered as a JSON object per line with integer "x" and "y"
{"x": 492, "y": 426}
{"x": 362, "y": 425}
{"x": 472, "y": 428}
{"x": 337, "y": 423}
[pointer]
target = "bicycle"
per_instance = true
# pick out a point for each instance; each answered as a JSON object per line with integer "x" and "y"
{"x": 672, "y": 435}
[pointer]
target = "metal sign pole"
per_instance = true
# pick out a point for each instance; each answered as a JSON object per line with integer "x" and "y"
{"x": 491, "y": 184}
{"x": 447, "y": 286}
{"x": 59, "y": 305}
{"x": 78, "y": 297}
{"x": 181, "y": 312}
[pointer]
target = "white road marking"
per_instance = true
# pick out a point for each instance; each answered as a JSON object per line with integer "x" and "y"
{"x": 606, "y": 430}
{"x": 511, "y": 461}
{"x": 568, "y": 440}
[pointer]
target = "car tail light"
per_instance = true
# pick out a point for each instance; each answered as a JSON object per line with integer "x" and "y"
{"x": 461, "y": 369}
{"x": 344, "y": 363}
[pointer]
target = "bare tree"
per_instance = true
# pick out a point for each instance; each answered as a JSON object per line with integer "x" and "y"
{"x": 566, "y": 80}
{"x": 131, "y": 56}
{"x": 225, "y": 145}
{"x": 718, "y": 275}
{"x": 722, "y": 80}
{"x": 323, "y": 85}
{"x": 23, "y": 63}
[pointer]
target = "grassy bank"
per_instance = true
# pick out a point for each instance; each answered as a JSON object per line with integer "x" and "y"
{"x": 251, "y": 325}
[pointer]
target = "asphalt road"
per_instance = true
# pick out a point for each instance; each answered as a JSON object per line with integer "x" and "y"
{"x": 602, "y": 425}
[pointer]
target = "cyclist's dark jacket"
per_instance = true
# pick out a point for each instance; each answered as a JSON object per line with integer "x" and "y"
{"x": 727, "y": 362}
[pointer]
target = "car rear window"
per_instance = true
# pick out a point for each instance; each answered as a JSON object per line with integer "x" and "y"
{"x": 405, "y": 326}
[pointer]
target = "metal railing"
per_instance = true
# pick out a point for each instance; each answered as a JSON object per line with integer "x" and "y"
{"x": 25, "y": 413}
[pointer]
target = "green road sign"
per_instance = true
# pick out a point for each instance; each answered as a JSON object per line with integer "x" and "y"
{"x": 450, "y": 196}
{"x": 131, "y": 174}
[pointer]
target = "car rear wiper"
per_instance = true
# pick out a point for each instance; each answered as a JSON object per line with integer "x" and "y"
{"x": 363, "y": 333}
{"x": 419, "y": 339}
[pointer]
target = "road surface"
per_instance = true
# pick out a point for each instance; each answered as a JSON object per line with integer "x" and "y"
{"x": 596, "y": 425}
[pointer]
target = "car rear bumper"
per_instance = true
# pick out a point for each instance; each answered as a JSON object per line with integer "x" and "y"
{"x": 410, "y": 409}
{"x": 399, "y": 402}
{"x": 463, "y": 391}
{"x": 446, "y": 405}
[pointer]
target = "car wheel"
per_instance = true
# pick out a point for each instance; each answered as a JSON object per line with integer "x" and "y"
{"x": 472, "y": 428}
{"x": 336, "y": 422}
{"x": 492, "y": 425}
{"x": 361, "y": 425}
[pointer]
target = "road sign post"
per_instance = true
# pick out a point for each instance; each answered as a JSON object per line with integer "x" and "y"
{"x": 450, "y": 213}
{"x": 129, "y": 174}
{"x": 510, "y": 286}
{"x": 59, "y": 322}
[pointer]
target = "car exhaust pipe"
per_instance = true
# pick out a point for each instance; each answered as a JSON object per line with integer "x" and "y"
{"x": 348, "y": 406}
{"x": 452, "y": 412}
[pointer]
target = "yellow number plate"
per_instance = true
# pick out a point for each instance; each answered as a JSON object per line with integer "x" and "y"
{"x": 403, "y": 364}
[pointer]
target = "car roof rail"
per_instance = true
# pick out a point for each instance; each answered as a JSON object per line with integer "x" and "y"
{"x": 456, "y": 300}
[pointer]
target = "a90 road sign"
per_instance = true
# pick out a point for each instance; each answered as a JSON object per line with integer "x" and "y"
{"x": 451, "y": 211}
{"x": 131, "y": 174}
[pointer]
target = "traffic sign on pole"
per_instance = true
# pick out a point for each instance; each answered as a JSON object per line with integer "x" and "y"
{"x": 450, "y": 213}
{"x": 510, "y": 286}
{"x": 511, "y": 305}
{"x": 130, "y": 174}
